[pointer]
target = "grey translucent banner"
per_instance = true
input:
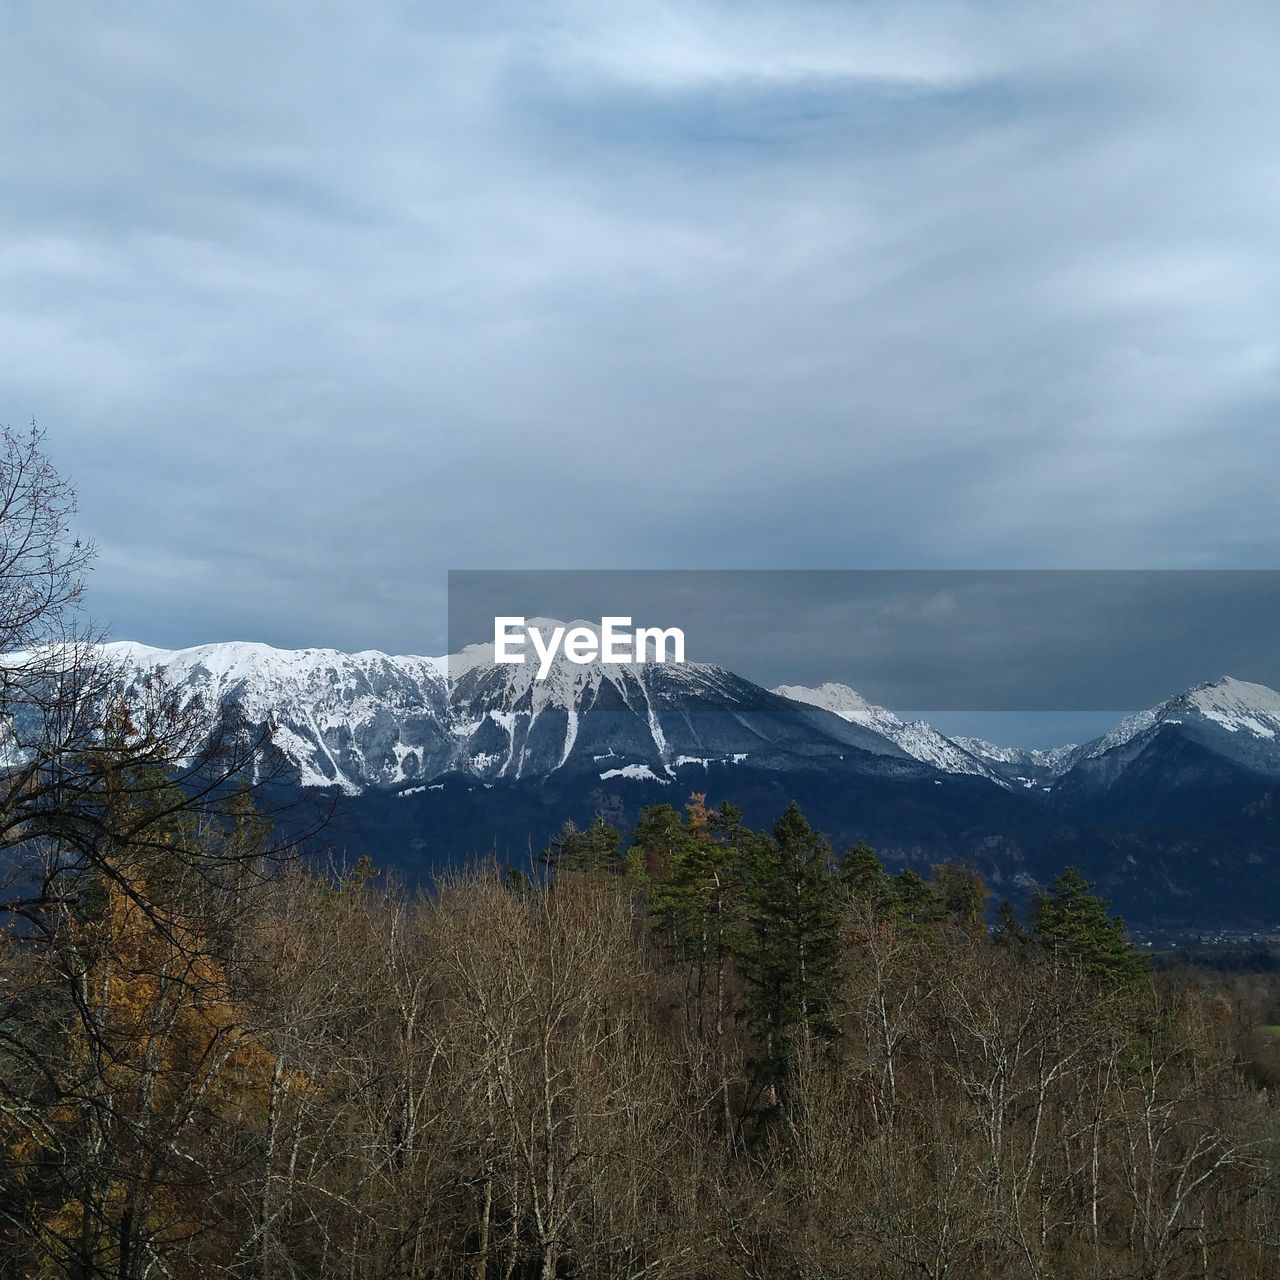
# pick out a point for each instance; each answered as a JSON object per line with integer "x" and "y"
{"x": 925, "y": 640}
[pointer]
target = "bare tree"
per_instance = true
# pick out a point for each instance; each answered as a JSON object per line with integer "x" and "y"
{"x": 124, "y": 849}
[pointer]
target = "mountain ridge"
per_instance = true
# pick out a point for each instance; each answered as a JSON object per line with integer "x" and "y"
{"x": 372, "y": 719}
{"x": 425, "y": 762}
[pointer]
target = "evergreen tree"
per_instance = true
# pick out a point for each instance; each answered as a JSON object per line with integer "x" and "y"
{"x": 915, "y": 902}
{"x": 1008, "y": 930}
{"x": 1073, "y": 921}
{"x": 696, "y": 904}
{"x": 596, "y": 850}
{"x": 791, "y": 948}
{"x": 961, "y": 892}
{"x": 863, "y": 875}
{"x": 657, "y": 840}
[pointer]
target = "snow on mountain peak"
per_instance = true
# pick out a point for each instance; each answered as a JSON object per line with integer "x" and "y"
{"x": 920, "y": 740}
{"x": 1237, "y": 705}
{"x": 840, "y": 700}
{"x": 344, "y": 719}
{"x": 1049, "y": 759}
{"x": 363, "y": 719}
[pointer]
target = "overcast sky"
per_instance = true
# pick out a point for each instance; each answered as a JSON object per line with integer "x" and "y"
{"x": 317, "y": 301}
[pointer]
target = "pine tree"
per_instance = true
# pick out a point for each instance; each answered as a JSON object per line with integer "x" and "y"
{"x": 696, "y": 903}
{"x": 791, "y": 948}
{"x": 656, "y": 841}
{"x": 597, "y": 850}
{"x": 916, "y": 904}
{"x": 695, "y": 863}
{"x": 863, "y": 875}
{"x": 1074, "y": 922}
{"x": 1008, "y": 930}
{"x": 961, "y": 892}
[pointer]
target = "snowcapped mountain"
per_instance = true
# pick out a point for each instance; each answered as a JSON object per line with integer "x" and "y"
{"x": 1174, "y": 812}
{"x": 1212, "y": 738}
{"x": 1250, "y": 712}
{"x": 1017, "y": 756}
{"x": 372, "y": 721}
{"x": 919, "y": 740}
{"x": 643, "y": 721}
{"x": 1027, "y": 767}
{"x": 1230, "y": 720}
{"x": 350, "y": 720}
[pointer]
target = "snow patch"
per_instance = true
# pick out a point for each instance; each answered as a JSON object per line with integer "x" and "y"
{"x": 919, "y": 740}
{"x": 641, "y": 772}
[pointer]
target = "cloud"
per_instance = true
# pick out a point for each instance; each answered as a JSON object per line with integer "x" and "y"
{"x": 679, "y": 47}
{"x": 318, "y": 301}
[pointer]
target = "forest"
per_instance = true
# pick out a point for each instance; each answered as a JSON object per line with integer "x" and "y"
{"x": 689, "y": 1050}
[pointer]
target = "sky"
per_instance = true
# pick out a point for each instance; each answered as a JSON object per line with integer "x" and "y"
{"x": 319, "y": 301}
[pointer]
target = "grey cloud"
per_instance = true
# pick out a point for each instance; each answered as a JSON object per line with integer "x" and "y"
{"x": 992, "y": 641}
{"x": 320, "y": 301}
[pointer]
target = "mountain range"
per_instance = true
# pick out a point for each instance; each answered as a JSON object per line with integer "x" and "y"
{"x": 1174, "y": 811}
